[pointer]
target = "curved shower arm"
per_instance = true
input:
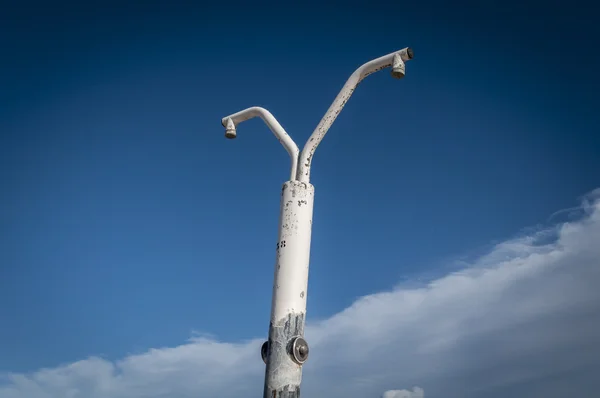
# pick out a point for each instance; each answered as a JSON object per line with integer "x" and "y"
{"x": 395, "y": 59}
{"x": 230, "y": 123}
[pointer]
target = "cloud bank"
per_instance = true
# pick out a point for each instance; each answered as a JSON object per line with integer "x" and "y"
{"x": 522, "y": 321}
{"x": 415, "y": 393}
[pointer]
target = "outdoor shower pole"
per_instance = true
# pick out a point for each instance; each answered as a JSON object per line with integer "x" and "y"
{"x": 286, "y": 350}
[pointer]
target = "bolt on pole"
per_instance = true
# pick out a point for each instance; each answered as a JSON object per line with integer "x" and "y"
{"x": 286, "y": 350}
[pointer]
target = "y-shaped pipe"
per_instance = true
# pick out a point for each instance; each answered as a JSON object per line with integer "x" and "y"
{"x": 286, "y": 351}
{"x": 230, "y": 122}
{"x": 395, "y": 60}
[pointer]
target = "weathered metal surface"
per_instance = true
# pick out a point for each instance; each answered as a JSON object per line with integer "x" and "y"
{"x": 292, "y": 249}
{"x": 283, "y": 375}
{"x": 338, "y": 104}
{"x": 398, "y": 67}
{"x": 230, "y": 122}
{"x": 288, "y": 308}
{"x": 230, "y": 130}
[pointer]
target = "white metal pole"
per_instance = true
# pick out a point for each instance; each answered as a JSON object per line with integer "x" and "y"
{"x": 285, "y": 351}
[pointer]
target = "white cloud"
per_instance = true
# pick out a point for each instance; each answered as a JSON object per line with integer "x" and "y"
{"x": 522, "y": 320}
{"x": 415, "y": 393}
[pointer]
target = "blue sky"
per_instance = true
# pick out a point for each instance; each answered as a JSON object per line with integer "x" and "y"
{"x": 129, "y": 223}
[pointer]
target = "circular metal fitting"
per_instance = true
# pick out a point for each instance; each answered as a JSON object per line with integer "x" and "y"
{"x": 230, "y": 134}
{"x": 264, "y": 351}
{"x": 299, "y": 350}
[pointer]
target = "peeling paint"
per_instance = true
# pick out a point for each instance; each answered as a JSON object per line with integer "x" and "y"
{"x": 283, "y": 374}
